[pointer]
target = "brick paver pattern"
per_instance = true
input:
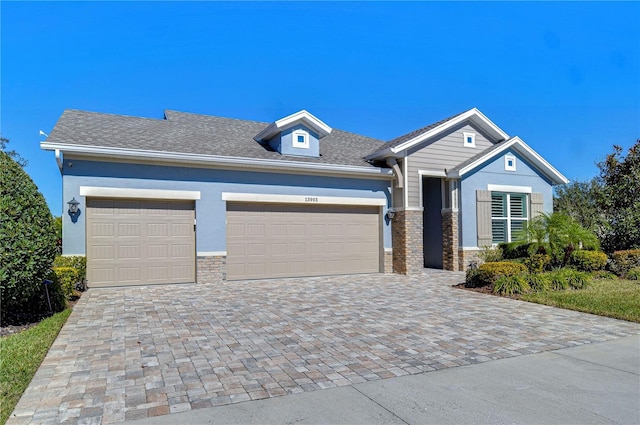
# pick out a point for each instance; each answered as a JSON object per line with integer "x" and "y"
{"x": 128, "y": 353}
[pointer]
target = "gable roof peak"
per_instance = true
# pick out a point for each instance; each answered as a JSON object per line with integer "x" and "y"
{"x": 411, "y": 139}
{"x": 301, "y": 117}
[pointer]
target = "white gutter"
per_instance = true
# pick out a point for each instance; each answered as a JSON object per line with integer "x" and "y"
{"x": 227, "y": 161}
{"x": 393, "y": 163}
{"x": 59, "y": 160}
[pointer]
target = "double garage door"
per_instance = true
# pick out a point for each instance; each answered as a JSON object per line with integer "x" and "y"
{"x": 131, "y": 242}
{"x": 282, "y": 240}
{"x": 137, "y": 242}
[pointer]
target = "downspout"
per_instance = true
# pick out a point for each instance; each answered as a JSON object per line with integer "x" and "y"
{"x": 393, "y": 163}
{"x": 59, "y": 160}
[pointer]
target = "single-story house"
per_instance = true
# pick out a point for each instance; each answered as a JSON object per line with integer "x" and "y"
{"x": 197, "y": 198}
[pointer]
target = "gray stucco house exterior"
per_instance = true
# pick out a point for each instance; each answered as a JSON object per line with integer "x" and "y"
{"x": 201, "y": 198}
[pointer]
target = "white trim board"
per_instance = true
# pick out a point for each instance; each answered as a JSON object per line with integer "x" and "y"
{"x": 211, "y": 254}
{"x": 301, "y": 199}
{"x": 118, "y": 192}
{"x": 506, "y": 188}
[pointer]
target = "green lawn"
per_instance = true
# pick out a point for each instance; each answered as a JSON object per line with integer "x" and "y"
{"x": 619, "y": 299}
{"x": 20, "y": 357}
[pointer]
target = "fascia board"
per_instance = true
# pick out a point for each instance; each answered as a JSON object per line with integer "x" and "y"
{"x": 322, "y": 128}
{"x": 224, "y": 161}
{"x": 481, "y": 120}
{"x": 289, "y": 121}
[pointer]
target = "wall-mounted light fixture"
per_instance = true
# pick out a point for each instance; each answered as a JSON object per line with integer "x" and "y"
{"x": 391, "y": 213}
{"x": 74, "y": 210}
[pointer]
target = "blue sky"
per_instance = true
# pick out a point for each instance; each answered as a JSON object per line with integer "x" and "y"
{"x": 565, "y": 77}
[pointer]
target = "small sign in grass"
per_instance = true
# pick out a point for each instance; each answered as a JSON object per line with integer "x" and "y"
{"x": 21, "y": 355}
{"x": 615, "y": 298}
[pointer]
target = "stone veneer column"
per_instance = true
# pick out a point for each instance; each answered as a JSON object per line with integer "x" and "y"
{"x": 211, "y": 269}
{"x": 450, "y": 243}
{"x": 407, "y": 234}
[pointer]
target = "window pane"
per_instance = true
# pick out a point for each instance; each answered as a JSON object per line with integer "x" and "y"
{"x": 518, "y": 206}
{"x": 516, "y": 228}
{"x": 498, "y": 205}
{"x": 499, "y": 231}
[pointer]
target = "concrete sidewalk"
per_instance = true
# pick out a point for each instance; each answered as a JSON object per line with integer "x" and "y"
{"x": 595, "y": 383}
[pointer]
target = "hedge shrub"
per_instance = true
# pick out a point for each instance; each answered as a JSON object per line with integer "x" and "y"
{"x": 79, "y": 263}
{"x": 27, "y": 241}
{"x": 488, "y": 273}
{"x": 68, "y": 277}
{"x": 588, "y": 261}
{"x": 623, "y": 261}
{"x": 537, "y": 263}
{"x": 539, "y": 282}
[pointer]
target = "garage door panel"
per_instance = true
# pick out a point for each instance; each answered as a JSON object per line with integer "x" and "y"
{"x": 139, "y": 242}
{"x": 301, "y": 240}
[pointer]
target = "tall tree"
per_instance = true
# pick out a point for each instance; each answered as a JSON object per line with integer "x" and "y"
{"x": 620, "y": 198}
{"x": 579, "y": 200}
{"x": 12, "y": 153}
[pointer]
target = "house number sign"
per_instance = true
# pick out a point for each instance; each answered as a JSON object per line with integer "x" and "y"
{"x": 311, "y": 199}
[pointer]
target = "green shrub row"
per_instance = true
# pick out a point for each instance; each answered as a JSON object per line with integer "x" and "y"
{"x": 526, "y": 282}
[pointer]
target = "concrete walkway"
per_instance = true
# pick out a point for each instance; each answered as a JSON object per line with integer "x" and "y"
{"x": 142, "y": 352}
{"x": 590, "y": 384}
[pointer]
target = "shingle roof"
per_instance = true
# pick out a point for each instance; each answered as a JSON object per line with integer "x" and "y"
{"x": 399, "y": 140}
{"x": 183, "y": 132}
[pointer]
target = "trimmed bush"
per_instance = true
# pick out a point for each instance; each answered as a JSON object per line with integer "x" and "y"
{"x": 511, "y": 285}
{"x": 634, "y": 274}
{"x": 588, "y": 261}
{"x": 488, "y": 273}
{"x": 623, "y": 261}
{"x": 27, "y": 241}
{"x": 79, "y": 263}
{"x": 537, "y": 263}
{"x": 68, "y": 277}
{"x": 539, "y": 282}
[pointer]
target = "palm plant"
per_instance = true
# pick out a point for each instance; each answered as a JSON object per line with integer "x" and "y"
{"x": 556, "y": 235}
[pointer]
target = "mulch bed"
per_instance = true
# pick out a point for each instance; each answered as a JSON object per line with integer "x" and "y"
{"x": 23, "y": 321}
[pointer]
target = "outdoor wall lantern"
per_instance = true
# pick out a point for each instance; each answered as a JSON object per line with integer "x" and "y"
{"x": 391, "y": 213}
{"x": 74, "y": 211}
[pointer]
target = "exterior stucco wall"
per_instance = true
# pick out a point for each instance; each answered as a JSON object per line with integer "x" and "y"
{"x": 210, "y": 209}
{"x": 494, "y": 173}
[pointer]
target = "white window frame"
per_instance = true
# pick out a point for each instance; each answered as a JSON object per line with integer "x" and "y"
{"x": 465, "y": 136}
{"x": 294, "y": 139}
{"x": 508, "y": 167}
{"x": 509, "y": 218}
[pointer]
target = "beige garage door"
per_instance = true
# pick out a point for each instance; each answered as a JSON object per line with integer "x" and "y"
{"x": 139, "y": 242}
{"x": 265, "y": 241}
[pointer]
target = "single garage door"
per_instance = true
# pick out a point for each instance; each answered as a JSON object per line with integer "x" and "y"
{"x": 266, "y": 240}
{"x": 133, "y": 242}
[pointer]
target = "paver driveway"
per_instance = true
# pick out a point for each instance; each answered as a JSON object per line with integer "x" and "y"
{"x": 128, "y": 353}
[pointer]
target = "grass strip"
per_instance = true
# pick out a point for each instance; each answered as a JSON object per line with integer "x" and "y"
{"x": 619, "y": 299}
{"x": 21, "y": 355}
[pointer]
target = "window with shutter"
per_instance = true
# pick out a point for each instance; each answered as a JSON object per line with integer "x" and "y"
{"x": 508, "y": 215}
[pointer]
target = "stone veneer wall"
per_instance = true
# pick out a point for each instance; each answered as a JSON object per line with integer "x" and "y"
{"x": 211, "y": 269}
{"x": 466, "y": 257}
{"x": 450, "y": 241}
{"x": 406, "y": 235}
{"x": 388, "y": 262}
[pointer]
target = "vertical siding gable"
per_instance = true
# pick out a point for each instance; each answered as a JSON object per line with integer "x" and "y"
{"x": 444, "y": 152}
